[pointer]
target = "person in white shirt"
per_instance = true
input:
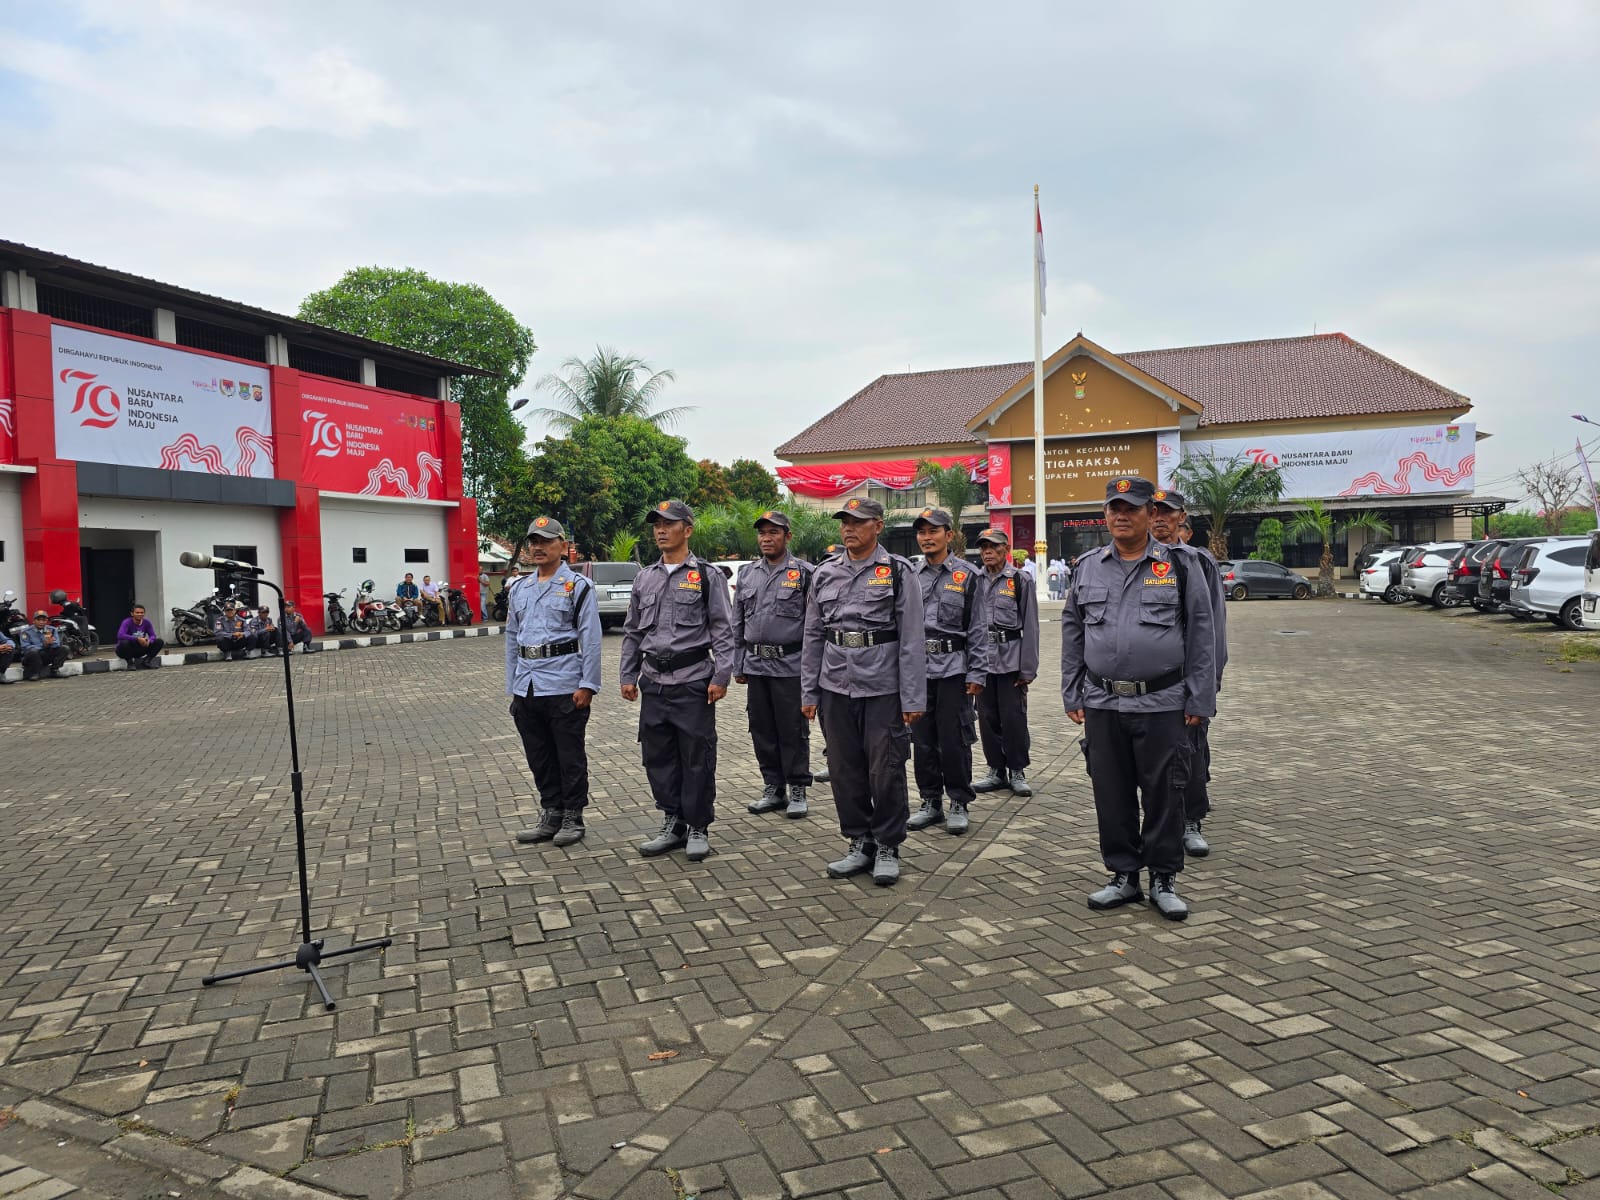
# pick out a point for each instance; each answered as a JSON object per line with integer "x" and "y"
{"x": 431, "y": 598}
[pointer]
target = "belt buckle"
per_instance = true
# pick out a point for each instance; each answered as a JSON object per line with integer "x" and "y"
{"x": 770, "y": 652}
{"x": 934, "y": 646}
{"x": 853, "y": 638}
{"x": 1124, "y": 687}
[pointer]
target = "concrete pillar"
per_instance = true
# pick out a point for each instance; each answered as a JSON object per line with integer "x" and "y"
{"x": 166, "y": 326}
{"x": 369, "y": 372}
{"x": 19, "y": 290}
{"x": 444, "y": 390}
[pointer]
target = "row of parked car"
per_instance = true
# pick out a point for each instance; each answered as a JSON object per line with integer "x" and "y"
{"x": 1554, "y": 577}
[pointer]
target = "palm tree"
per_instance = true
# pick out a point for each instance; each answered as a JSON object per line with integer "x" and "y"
{"x": 1317, "y": 521}
{"x": 1220, "y": 489}
{"x": 1368, "y": 519}
{"x": 607, "y": 385}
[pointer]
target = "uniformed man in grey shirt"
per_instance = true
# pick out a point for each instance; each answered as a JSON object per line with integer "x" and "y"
{"x": 864, "y": 670}
{"x": 1138, "y": 669}
{"x": 553, "y": 641}
{"x": 1011, "y": 606}
{"x": 820, "y": 775}
{"x": 957, "y": 645}
{"x": 678, "y": 651}
{"x": 769, "y": 620}
{"x": 1168, "y": 516}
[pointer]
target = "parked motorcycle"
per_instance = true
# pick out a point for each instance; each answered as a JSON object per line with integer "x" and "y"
{"x": 406, "y": 613}
{"x": 456, "y": 609}
{"x": 12, "y": 618}
{"x": 367, "y": 614}
{"x": 72, "y": 625}
{"x": 338, "y": 619}
{"x": 501, "y": 604}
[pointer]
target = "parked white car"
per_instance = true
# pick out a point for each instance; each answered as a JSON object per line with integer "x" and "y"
{"x": 1591, "y": 583}
{"x": 1423, "y": 577}
{"x": 1547, "y": 581}
{"x": 1375, "y": 581}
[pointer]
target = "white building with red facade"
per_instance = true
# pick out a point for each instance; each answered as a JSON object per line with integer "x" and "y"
{"x": 139, "y": 420}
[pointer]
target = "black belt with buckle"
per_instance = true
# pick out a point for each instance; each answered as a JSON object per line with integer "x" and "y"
{"x": 946, "y": 645}
{"x": 550, "y": 649}
{"x": 1139, "y": 687}
{"x": 766, "y": 650}
{"x": 683, "y": 658}
{"x": 1001, "y": 636}
{"x": 855, "y": 639}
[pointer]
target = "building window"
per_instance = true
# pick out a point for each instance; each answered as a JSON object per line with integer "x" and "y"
{"x": 892, "y": 498}
{"x": 358, "y": 554}
{"x": 2, "y": 554}
{"x": 222, "y": 339}
{"x": 417, "y": 556}
{"x": 87, "y": 309}
{"x": 324, "y": 362}
{"x": 412, "y": 382}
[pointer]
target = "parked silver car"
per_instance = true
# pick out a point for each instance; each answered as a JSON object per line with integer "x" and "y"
{"x": 1423, "y": 576}
{"x": 1547, "y": 581}
{"x": 613, "y": 585}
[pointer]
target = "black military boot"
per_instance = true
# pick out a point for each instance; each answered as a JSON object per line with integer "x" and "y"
{"x": 547, "y": 828}
{"x": 571, "y": 827}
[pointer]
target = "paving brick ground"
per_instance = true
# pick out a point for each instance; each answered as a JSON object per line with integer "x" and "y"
{"x": 1388, "y": 987}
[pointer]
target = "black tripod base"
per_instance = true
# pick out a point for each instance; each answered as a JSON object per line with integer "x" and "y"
{"x": 307, "y": 958}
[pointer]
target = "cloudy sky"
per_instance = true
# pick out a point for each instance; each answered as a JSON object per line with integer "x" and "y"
{"x": 782, "y": 202}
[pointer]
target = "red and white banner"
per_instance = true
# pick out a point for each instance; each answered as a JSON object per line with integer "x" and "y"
{"x": 368, "y": 443}
{"x": 1000, "y": 477}
{"x": 8, "y": 403}
{"x": 140, "y": 404}
{"x": 835, "y": 479}
{"x": 1406, "y": 461}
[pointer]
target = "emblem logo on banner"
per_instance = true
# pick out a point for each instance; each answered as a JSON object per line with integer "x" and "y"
{"x": 104, "y": 405}
{"x": 1263, "y": 458}
{"x": 327, "y": 437}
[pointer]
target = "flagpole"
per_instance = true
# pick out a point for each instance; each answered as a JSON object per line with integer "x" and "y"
{"x": 1594, "y": 496}
{"x": 1040, "y": 545}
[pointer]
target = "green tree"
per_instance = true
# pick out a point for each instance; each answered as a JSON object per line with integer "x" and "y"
{"x": 1369, "y": 520}
{"x": 1269, "y": 540}
{"x": 607, "y": 384}
{"x": 812, "y": 530}
{"x": 1315, "y": 521}
{"x": 458, "y": 321}
{"x": 1220, "y": 489}
{"x": 606, "y": 475}
{"x": 622, "y": 546}
{"x": 749, "y": 480}
{"x": 710, "y": 487}
{"x": 952, "y": 486}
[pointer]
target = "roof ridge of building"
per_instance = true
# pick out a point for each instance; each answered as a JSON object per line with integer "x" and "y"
{"x": 946, "y": 371}
{"x": 1297, "y": 337}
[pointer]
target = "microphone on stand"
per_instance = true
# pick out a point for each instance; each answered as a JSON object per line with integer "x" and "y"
{"x": 206, "y": 563}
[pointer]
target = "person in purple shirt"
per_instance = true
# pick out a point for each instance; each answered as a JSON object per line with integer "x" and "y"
{"x": 137, "y": 643}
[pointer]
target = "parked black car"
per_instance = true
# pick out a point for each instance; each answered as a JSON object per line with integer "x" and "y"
{"x": 1461, "y": 575}
{"x": 1251, "y": 577}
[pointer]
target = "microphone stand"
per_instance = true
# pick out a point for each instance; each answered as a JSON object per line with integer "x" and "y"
{"x": 309, "y": 957}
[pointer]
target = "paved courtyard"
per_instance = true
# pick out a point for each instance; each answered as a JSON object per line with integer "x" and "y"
{"x": 1388, "y": 987}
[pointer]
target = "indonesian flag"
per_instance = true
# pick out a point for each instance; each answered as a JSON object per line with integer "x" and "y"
{"x": 1038, "y": 248}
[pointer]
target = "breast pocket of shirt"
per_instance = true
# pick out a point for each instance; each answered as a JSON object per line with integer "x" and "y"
{"x": 1003, "y": 610}
{"x": 1092, "y": 602}
{"x": 688, "y": 609}
{"x": 1159, "y": 607}
{"x": 646, "y": 610}
{"x": 952, "y": 610}
{"x": 830, "y": 599}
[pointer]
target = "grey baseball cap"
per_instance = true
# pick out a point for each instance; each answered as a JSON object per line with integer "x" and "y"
{"x": 671, "y": 510}
{"x": 547, "y": 528}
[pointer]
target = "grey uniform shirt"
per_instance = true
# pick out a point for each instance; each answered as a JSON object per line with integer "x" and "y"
{"x": 952, "y": 607}
{"x": 770, "y": 610}
{"x": 558, "y": 609}
{"x": 678, "y": 607}
{"x": 1207, "y": 565}
{"x": 851, "y": 595}
{"x": 1122, "y": 622}
{"x": 1010, "y": 601}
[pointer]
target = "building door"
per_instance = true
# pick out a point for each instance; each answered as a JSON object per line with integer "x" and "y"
{"x": 244, "y": 589}
{"x": 107, "y": 588}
